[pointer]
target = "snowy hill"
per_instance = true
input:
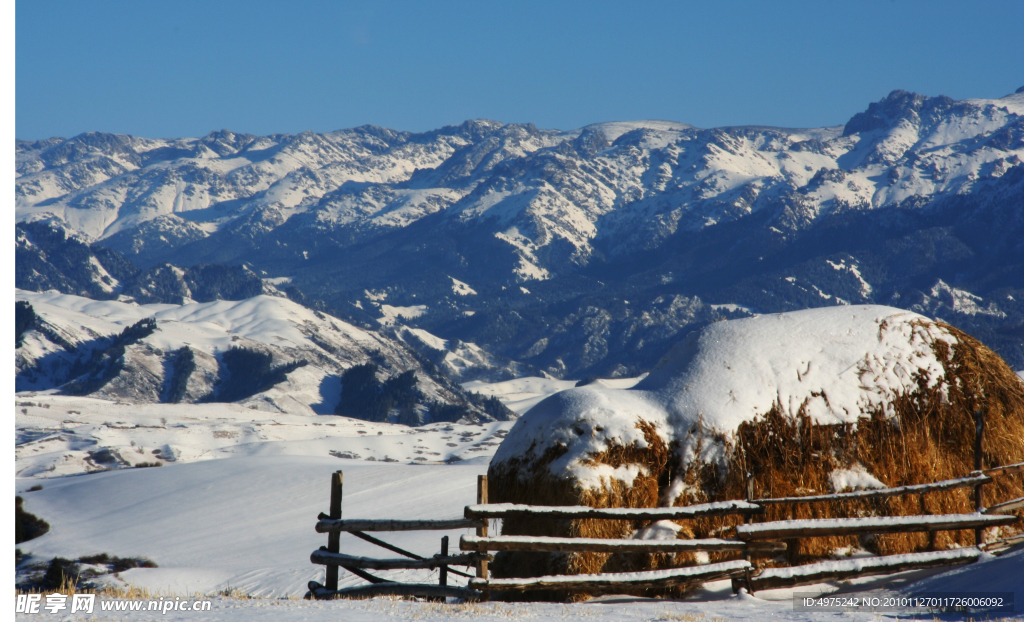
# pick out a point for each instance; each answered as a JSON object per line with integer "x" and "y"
{"x": 72, "y": 344}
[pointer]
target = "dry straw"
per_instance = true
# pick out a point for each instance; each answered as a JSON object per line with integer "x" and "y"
{"x": 930, "y": 438}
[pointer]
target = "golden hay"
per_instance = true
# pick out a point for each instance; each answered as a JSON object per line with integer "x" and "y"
{"x": 931, "y": 438}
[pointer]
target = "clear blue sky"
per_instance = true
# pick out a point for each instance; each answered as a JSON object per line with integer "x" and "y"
{"x": 183, "y": 68}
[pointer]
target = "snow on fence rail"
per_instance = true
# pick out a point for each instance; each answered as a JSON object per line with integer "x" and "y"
{"x": 881, "y": 493}
{"x": 507, "y": 510}
{"x": 600, "y": 545}
{"x": 612, "y": 581}
{"x": 809, "y": 574}
{"x": 1006, "y": 507}
{"x": 329, "y": 525}
{"x": 1005, "y": 469}
{"x": 819, "y": 527}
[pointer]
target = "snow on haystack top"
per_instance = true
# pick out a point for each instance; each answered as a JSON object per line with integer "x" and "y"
{"x": 837, "y": 362}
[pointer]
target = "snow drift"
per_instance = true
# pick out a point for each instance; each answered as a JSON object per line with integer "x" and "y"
{"x": 807, "y": 402}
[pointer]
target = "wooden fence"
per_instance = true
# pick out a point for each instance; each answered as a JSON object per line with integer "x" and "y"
{"x": 330, "y": 556}
{"x": 751, "y": 539}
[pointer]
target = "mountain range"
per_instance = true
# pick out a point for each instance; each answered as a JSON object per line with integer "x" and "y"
{"x": 572, "y": 253}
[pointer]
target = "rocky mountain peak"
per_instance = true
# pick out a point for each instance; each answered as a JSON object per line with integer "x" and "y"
{"x": 895, "y": 106}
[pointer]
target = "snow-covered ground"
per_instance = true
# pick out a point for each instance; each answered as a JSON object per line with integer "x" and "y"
{"x": 245, "y": 522}
{"x": 232, "y": 477}
{"x": 716, "y": 603}
{"x": 61, "y": 435}
{"x": 236, "y": 509}
{"x": 522, "y": 394}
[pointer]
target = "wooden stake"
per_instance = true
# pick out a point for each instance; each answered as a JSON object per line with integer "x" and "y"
{"x": 750, "y": 494}
{"x": 443, "y": 578}
{"x": 979, "y": 433}
{"x": 481, "y": 499}
{"x": 334, "y": 539}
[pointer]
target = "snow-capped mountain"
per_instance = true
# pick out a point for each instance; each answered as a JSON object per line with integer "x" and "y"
{"x": 103, "y": 183}
{"x": 573, "y": 241}
{"x": 632, "y": 183}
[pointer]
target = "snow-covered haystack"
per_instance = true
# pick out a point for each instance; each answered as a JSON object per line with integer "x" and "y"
{"x": 808, "y": 402}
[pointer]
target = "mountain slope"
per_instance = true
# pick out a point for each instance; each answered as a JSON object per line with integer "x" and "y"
{"x": 266, "y": 353}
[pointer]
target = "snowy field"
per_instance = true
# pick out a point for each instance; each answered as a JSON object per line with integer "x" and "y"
{"x": 235, "y": 510}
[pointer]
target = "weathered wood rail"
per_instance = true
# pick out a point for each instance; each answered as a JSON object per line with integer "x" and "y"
{"x": 423, "y": 590}
{"x": 1006, "y": 507}
{"x": 772, "y": 578}
{"x": 510, "y": 510}
{"x": 610, "y": 582}
{"x": 883, "y": 493}
{"x": 821, "y": 527}
{"x": 330, "y": 525}
{"x": 340, "y": 559}
{"x": 598, "y": 545}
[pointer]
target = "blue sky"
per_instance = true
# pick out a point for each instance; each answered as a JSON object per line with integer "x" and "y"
{"x": 172, "y": 69}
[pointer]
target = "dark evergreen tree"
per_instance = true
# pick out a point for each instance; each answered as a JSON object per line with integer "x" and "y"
{"x": 24, "y": 320}
{"x": 184, "y": 365}
{"x": 249, "y": 372}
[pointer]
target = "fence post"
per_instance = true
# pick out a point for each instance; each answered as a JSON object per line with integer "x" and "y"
{"x": 481, "y": 499}
{"x": 979, "y": 433}
{"x": 747, "y": 519}
{"x": 443, "y": 578}
{"x": 750, "y": 494}
{"x": 334, "y": 538}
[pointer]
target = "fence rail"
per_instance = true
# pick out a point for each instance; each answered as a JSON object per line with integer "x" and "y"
{"x": 327, "y": 558}
{"x": 510, "y": 510}
{"x": 773, "y": 578}
{"x": 617, "y": 581}
{"x": 1007, "y": 506}
{"x": 330, "y": 525}
{"x": 821, "y": 527}
{"x": 881, "y": 493}
{"x": 424, "y": 590}
{"x": 1005, "y": 469}
{"x": 599, "y": 545}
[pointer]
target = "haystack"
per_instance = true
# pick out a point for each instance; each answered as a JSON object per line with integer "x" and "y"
{"x": 808, "y": 402}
